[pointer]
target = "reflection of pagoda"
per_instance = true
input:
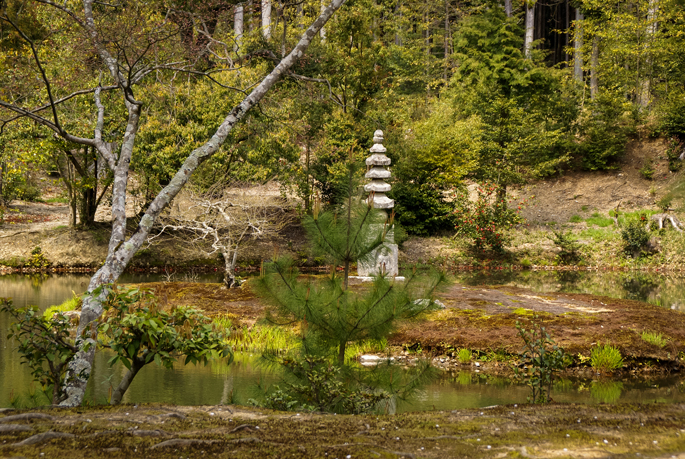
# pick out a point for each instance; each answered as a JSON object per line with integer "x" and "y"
{"x": 385, "y": 257}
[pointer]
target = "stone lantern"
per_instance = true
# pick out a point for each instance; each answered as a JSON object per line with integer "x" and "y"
{"x": 384, "y": 259}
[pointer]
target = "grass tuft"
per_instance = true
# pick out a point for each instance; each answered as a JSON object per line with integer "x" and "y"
{"x": 655, "y": 338}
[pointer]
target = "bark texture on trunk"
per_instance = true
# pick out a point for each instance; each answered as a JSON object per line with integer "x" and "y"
{"x": 508, "y": 8}
{"x": 266, "y": 19}
{"x": 594, "y": 68}
{"x": 122, "y": 250}
{"x": 578, "y": 48}
{"x": 123, "y": 386}
{"x": 238, "y": 21}
{"x": 645, "y": 90}
{"x": 530, "y": 29}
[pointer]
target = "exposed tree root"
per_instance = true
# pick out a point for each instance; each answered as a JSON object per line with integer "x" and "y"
{"x": 42, "y": 438}
{"x": 14, "y": 428}
{"x": 27, "y": 417}
{"x": 660, "y": 218}
{"x": 182, "y": 442}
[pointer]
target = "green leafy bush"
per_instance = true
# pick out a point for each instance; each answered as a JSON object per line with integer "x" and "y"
{"x": 647, "y": 170}
{"x": 486, "y": 221}
{"x": 541, "y": 359}
{"x": 46, "y": 345}
{"x": 675, "y": 149}
{"x": 569, "y": 246}
{"x": 635, "y": 238}
{"x": 604, "y": 137}
{"x": 139, "y": 332}
{"x": 38, "y": 259}
{"x": 320, "y": 386}
{"x": 606, "y": 358}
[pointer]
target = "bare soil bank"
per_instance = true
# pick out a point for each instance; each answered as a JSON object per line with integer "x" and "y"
{"x": 30, "y": 225}
{"x": 158, "y": 431}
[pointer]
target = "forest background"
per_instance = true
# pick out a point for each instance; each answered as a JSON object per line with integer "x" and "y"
{"x": 485, "y": 91}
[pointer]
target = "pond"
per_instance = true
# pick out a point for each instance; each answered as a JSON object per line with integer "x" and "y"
{"x": 218, "y": 383}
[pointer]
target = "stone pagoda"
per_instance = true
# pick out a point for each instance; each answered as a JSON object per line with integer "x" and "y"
{"x": 384, "y": 259}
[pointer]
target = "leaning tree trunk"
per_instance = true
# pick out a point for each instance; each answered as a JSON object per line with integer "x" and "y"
{"x": 121, "y": 250}
{"x": 121, "y": 389}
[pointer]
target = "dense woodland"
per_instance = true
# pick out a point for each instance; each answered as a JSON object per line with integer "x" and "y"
{"x": 493, "y": 92}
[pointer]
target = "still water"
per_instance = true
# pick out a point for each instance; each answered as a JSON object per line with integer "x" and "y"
{"x": 218, "y": 383}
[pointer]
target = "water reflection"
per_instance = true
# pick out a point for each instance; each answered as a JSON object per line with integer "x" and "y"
{"x": 238, "y": 382}
{"x": 666, "y": 290}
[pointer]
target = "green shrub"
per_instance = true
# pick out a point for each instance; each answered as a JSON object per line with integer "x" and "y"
{"x": 675, "y": 149}
{"x": 647, "y": 171}
{"x": 38, "y": 259}
{"x": 569, "y": 246}
{"x": 320, "y": 386}
{"x": 45, "y": 345}
{"x": 604, "y": 138}
{"x": 488, "y": 220}
{"x": 671, "y": 113}
{"x": 655, "y": 338}
{"x": 139, "y": 333}
{"x": 635, "y": 238}
{"x": 575, "y": 219}
{"x": 606, "y": 358}
{"x": 464, "y": 355}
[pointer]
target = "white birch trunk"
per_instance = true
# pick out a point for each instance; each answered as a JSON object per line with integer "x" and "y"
{"x": 594, "y": 68}
{"x": 322, "y": 32}
{"x": 530, "y": 29}
{"x": 238, "y": 21}
{"x": 645, "y": 96}
{"x": 578, "y": 47}
{"x": 120, "y": 250}
{"x": 266, "y": 19}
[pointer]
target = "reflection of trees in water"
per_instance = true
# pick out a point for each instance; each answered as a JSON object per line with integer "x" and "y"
{"x": 639, "y": 286}
{"x": 37, "y": 279}
{"x": 569, "y": 279}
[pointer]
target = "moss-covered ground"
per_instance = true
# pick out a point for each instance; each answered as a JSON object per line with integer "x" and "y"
{"x": 156, "y": 431}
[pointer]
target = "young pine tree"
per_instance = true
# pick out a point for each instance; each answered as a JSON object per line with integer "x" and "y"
{"x": 330, "y": 312}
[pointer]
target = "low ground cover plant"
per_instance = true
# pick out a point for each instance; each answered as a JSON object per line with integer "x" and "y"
{"x": 606, "y": 358}
{"x": 655, "y": 338}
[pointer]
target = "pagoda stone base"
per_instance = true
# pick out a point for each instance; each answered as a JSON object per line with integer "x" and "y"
{"x": 384, "y": 262}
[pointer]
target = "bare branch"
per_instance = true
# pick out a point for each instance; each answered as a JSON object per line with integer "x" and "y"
{"x": 41, "y": 69}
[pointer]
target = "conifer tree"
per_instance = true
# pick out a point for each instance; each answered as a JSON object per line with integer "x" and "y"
{"x": 330, "y": 312}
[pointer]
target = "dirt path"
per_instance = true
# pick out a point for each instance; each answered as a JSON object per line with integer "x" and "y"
{"x": 229, "y": 431}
